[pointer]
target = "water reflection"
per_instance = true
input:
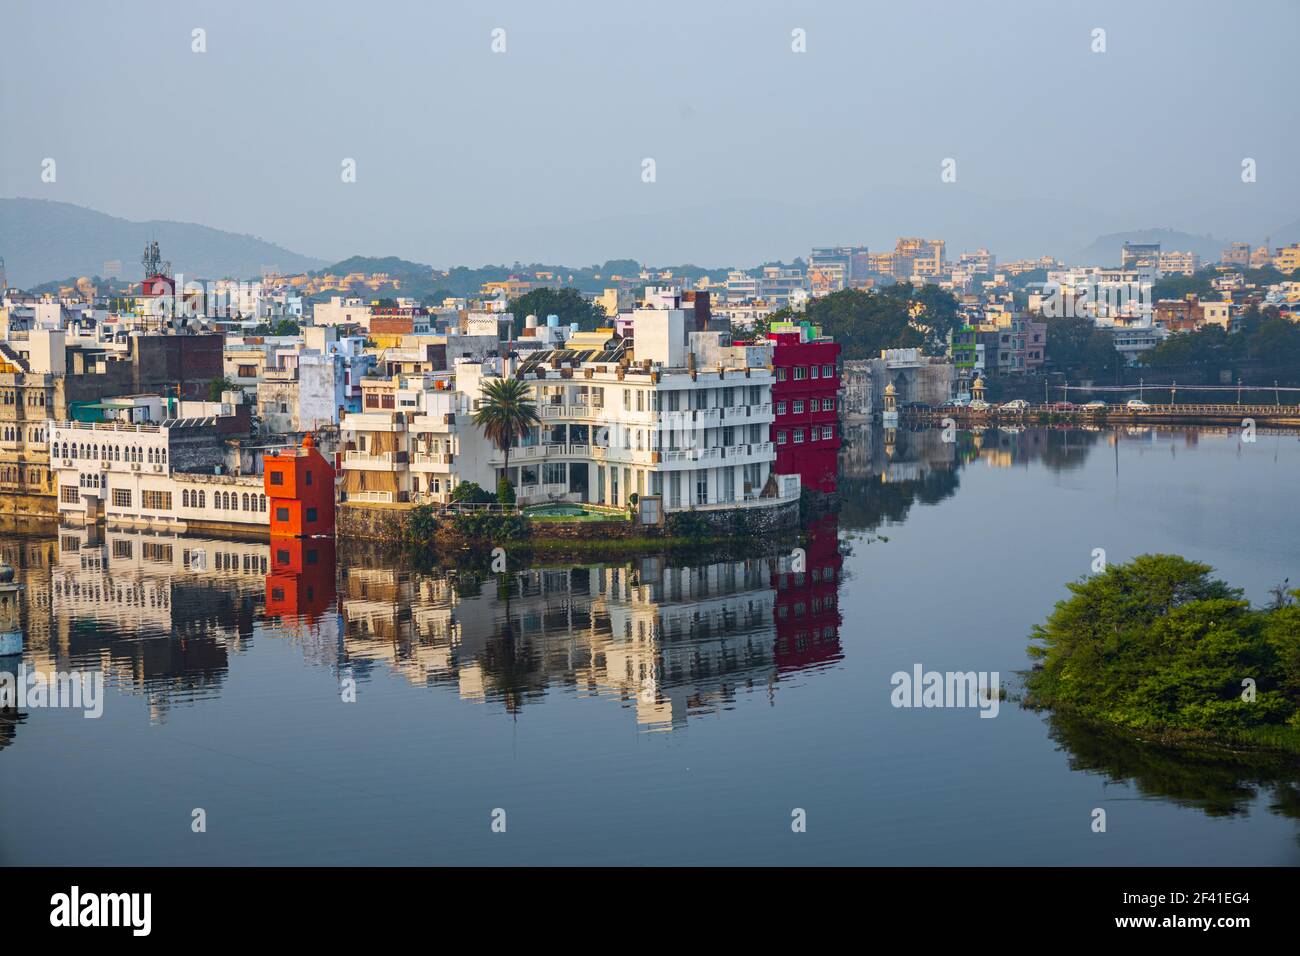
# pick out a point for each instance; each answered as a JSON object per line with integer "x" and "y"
{"x": 666, "y": 639}
{"x": 1218, "y": 783}
{"x": 162, "y": 617}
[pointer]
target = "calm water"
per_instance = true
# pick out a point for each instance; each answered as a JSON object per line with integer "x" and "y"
{"x": 649, "y": 711}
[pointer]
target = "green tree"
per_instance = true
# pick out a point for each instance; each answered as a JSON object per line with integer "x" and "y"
{"x": 469, "y": 492}
{"x": 896, "y": 316}
{"x": 1159, "y": 643}
{"x": 217, "y": 386}
{"x": 569, "y": 304}
{"x": 506, "y": 414}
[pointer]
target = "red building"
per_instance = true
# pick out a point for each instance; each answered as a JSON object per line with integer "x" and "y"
{"x": 805, "y": 398}
{"x": 301, "y": 582}
{"x": 807, "y": 601}
{"x": 299, "y": 484}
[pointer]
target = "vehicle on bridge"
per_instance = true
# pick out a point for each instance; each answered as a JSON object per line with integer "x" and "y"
{"x": 1015, "y": 405}
{"x": 1094, "y": 406}
{"x": 1137, "y": 405}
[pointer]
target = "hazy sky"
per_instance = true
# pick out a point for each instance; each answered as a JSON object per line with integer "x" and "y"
{"x": 466, "y": 156}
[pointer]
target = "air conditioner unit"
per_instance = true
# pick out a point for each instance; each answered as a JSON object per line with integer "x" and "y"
{"x": 157, "y": 467}
{"x": 135, "y": 466}
{"x": 67, "y": 463}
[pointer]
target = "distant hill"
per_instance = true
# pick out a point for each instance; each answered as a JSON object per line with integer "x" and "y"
{"x": 1106, "y": 250}
{"x": 1286, "y": 235}
{"x": 42, "y": 240}
{"x": 390, "y": 265}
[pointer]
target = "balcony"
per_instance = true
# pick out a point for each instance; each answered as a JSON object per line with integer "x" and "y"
{"x": 368, "y": 461}
{"x": 432, "y": 461}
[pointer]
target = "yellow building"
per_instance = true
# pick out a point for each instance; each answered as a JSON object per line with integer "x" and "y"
{"x": 1287, "y": 258}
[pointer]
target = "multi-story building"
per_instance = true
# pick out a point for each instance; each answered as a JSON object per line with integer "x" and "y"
{"x": 172, "y": 476}
{"x": 1287, "y": 258}
{"x": 1138, "y": 255}
{"x": 926, "y": 256}
{"x": 1179, "y": 263}
{"x": 981, "y": 261}
{"x": 1237, "y": 254}
{"x": 675, "y": 412}
{"x": 805, "y": 399}
{"x": 42, "y": 378}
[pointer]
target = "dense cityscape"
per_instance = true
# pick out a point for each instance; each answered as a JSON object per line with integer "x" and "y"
{"x": 560, "y": 436}
{"x": 157, "y": 403}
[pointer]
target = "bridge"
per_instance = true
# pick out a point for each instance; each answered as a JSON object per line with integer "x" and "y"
{"x": 1186, "y": 414}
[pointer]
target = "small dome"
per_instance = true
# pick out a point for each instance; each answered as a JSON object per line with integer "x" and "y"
{"x": 6, "y": 573}
{"x": 307, "y": 441}
{"x": 889, "y": 389}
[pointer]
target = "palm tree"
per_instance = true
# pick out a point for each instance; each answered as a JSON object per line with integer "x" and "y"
{"x": 506, "y": 413}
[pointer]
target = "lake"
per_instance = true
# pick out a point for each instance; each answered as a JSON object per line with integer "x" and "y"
{"x": 330, "y": 705}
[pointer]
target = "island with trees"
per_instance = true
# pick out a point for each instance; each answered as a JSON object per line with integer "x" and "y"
{"x": 1161, "y": 649}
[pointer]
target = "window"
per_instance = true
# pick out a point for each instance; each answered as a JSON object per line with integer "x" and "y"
{"x": 156, "y": 500}
{"x": 815, "y": 370}
{"x": 828, "y": 371}
{"x": 780, "y": 375}
{"x": 311, "y": 514}
{"x": 800, "y": 373}
{"x": 828, "y": 404}
{"x": 277, "y": 477}
{"x": 307, "y": 477}
{"x": 798, "y": 408}
{"x": 798, "y": 436}
{"x": 121, "y": 497}
{"x": 281, "y": 514}
{"x": 69, "y": 494}
{"x": 828, "y": 432}
{"x": 781, "y": 438}
{"x": 185, "y": 498}
{"x": 780, "y": 408}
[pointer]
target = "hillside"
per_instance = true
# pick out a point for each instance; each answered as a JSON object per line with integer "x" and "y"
{"x": 1105, "y": 250}
{"x": 41, "y": 240}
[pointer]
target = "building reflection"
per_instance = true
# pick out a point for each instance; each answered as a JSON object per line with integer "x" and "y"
{"x": 669, "y": 642}
{"x": 163, "y": 616}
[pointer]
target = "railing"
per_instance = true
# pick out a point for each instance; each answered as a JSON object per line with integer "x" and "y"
{"x": 108, "y": 427}
{"x": 382, "y": 458}
{"x": 433, "y": 458}
{"x": 371, "y": 497}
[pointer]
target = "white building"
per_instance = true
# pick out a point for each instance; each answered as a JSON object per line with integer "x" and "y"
{"x": 675, "y": 413}
{"x": 128, "y": 475}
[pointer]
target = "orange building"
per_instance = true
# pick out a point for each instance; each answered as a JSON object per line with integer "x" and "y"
{"x": 301, "y": 582}
{"x": 299, "y": 484}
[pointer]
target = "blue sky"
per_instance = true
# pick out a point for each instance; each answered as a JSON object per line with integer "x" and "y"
{"x": 467, "y": 156}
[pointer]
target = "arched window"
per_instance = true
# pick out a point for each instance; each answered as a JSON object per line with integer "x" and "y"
{"x": 185, "y": 497}
{"x": 203, "y": 497}
{"x": 243, "y": 504}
